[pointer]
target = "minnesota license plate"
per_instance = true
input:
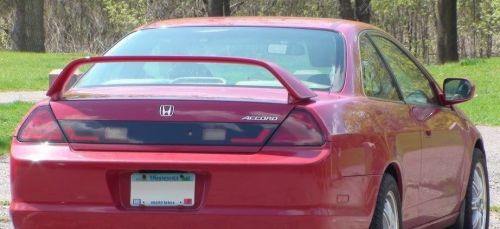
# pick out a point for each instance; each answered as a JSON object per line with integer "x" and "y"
{"x": 162, "y": 189}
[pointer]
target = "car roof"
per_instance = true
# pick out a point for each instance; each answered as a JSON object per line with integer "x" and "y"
{"x": 339, "y": 25}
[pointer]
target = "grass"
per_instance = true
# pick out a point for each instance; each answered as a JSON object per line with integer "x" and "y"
{"x": 494, "y": 208}
{"x": 29, "y": 71}
{"x": 10, "y": 115}
{"x": 484, "y": 109}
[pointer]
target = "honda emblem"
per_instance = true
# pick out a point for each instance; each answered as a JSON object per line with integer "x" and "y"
{"x": 166, "y": 110}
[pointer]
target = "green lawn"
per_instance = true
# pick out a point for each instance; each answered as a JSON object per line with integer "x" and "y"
{"x": 10, "y": 115}
{"x": 29, "y": 71}
{"x": 484, "y": 109}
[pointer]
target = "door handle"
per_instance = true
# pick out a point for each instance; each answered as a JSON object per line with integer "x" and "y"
{"x": 428, "y": 133}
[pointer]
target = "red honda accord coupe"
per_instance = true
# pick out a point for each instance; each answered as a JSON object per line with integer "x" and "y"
{"x": 250, "y": 123}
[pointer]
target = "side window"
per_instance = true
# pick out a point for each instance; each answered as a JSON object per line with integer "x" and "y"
{"x": 414, "y": 85}
{"x": 377, "y": 81}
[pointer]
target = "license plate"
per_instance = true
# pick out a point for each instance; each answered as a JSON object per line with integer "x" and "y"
{"x": 162, "y": 189}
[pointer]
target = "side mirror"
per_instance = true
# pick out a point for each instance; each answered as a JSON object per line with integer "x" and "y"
{"x": 457, "y": 90}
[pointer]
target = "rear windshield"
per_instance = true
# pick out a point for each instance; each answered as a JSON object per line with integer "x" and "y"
{"x": 315, "y": 57}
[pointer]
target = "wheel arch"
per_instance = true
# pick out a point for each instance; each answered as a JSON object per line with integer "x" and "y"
{"x": 480, "y": 145}
{"x": 394, "y": 170}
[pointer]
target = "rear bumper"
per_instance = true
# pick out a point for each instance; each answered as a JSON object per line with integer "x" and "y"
{"x": 47, "y": 216}
{"x": 55, "y": 187}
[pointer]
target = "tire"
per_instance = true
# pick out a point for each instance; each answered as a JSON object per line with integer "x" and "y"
{"x": 388, "y": 195}
{"x": 467, "y": 218}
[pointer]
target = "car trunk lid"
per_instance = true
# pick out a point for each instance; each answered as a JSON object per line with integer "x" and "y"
{"x": 100, "y": 124}
{"x": 204, "y": 115}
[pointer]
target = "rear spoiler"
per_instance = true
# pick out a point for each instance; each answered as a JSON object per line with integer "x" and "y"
{"x": 297, "y": 91}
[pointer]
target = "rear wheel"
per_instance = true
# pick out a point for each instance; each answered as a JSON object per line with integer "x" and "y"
{"x": 477, "y": 198}
{"x": 387, "y": 213}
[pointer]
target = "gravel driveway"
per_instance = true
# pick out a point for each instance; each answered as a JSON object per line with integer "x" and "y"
{"x": 4, "y": 192}
{"x": 492, "y": 145}
{"x": 490, "y": 136}
{"x": 24, "y": 96}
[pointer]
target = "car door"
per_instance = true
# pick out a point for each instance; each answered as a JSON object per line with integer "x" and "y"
{"x": 441, "y": 137}
{"x": 401, "y": 130}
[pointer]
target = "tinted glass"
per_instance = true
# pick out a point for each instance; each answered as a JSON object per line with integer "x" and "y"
{"x": 315, "y": 57}
{"x": 376, "y": 79}
{"x": 165, "y": 133}
{"x": 414, "y": 85}
{"x": 168, "y": 73}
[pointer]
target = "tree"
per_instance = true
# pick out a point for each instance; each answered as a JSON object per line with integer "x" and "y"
{"x": 362, "y": 12}
{"x": 28, "y": 32}
{"x": 346, "y": 11}
{"x": 218, "y": 8}
{"x": 447, "y": 38}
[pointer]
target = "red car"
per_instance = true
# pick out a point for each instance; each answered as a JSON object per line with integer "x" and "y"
{"x": 250, "y": 123}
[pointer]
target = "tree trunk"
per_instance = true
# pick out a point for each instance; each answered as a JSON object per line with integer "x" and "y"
{"x": 363, "y": 10}
{"x": 447, "y": 31}
{"x": 425, "y": 40}
{"x": 346, "y": 11}
{"x": 218, "y": 8}
{"x": 489, "y": 45}
{"x": 28, "y": 32}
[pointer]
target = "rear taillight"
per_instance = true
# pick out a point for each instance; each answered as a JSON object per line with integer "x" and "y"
{"x": 298, "y": 129}
{"x": 41, "y": 126}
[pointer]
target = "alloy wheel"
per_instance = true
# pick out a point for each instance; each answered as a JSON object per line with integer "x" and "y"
{"x": 391, "y": 215}
{"x": 479, "y": 198}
